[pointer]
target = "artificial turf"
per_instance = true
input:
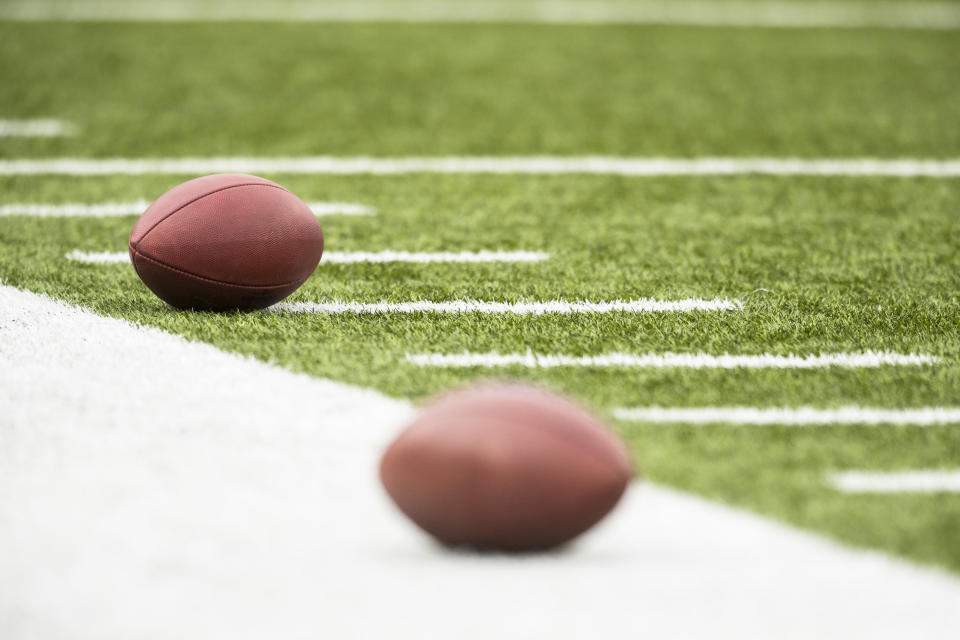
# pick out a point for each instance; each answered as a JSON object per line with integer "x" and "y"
{"x": 293, "y": 89}
{"x": 822, "y": 264}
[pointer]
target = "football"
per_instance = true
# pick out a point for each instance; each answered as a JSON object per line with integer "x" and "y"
{"x": 226, "y": 242}
{"x": 505, "y": 468}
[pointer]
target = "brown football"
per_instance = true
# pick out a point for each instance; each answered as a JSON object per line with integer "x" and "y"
{"x": 505, "y": 468}
{"x": 226, "y": 242}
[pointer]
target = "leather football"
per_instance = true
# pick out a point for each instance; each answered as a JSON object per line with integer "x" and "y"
{"x": 226, "y": 242}
{"x": 505, "y": 468}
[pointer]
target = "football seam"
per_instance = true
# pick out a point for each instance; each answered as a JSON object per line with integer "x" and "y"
{"x": 201, "y": 197}
{"x": 204, "y": 278}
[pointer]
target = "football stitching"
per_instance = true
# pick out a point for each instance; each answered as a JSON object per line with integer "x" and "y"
{"x": 199, "y": 277}
{"x": 201, "y": 197}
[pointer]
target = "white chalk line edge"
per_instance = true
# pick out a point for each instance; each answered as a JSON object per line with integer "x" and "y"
{"x": 543, "y": 165}
{"x": 641, "y": 305}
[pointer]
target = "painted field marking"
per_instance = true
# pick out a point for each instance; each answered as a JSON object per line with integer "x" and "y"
{"x": 107, "y": 209}
{"x": 354, "y": 257}
{"x": 348, "y": 257}
{"x": 896, "y": 482}
{"x": 642, "y": 305}
{"x": 231, "y": 491}
{"x": 661, "y": 360}
{"x": 340, "y": 209}
{"x": 36, "y": 128}
{"x": 542, "y": 165}
{"x": 771, "y": 13}
{"x": 99, "y": 257}
{"x": 924, "y": 416}
{"x": 74, "y": 209}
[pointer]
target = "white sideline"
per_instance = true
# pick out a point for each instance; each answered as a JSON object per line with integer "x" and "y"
{"x": 846, "y": 14}
{"x": 896, "y": 482}
{"x": 642, "y": 305}
{"x": 657, "y": 360}
{"x": 924, "y": 416}
{"x": 903, "y": 167}
{"x": 36, "y": 128}
{"x": 155, "y": 488}
{"x": 107, "y": 209}
{"x": 351, "y": 257}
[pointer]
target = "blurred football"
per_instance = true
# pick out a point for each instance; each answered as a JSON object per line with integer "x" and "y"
{"x": 505, "y": 468}
{"x": 226, "y": 242}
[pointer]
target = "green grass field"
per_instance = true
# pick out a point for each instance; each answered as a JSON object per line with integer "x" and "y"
{"x": 822, "y": 264}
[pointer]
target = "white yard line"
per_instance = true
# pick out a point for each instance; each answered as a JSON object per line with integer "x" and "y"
{"x": 141, "y": 474}
{"x": 340, "y": 209}
{"x": 896, "y": 482}
{"x": 658, "y": 360}
{"x": 107, "y": 209}
{"x": 353, "y": 257}
{"x": 772, "y": 13}
{"x": 99, "y": 257}
{"x": 74, "y": 209}
{"x": 347, "y": 257}
{"x": 36, "y": 128}
{"x": 642, "y": 305}
{"x": 924, "y": 416}
{"x": 503, "y": 165}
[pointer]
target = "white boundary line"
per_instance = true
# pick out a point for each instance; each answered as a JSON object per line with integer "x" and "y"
{"x": 657, "y": 360}
{"x": 354, "y": 257}
{"x": 642, "y": 305}
{"x": 499, "y": 165}
{"x": 36, "y": 128}
{"x": 922, "y": 481}
{"x": 122, "y": 506}
{"x": 847, "y": 14}
{"x": 925, "y": 416}
{"x": 107, "y": 209}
